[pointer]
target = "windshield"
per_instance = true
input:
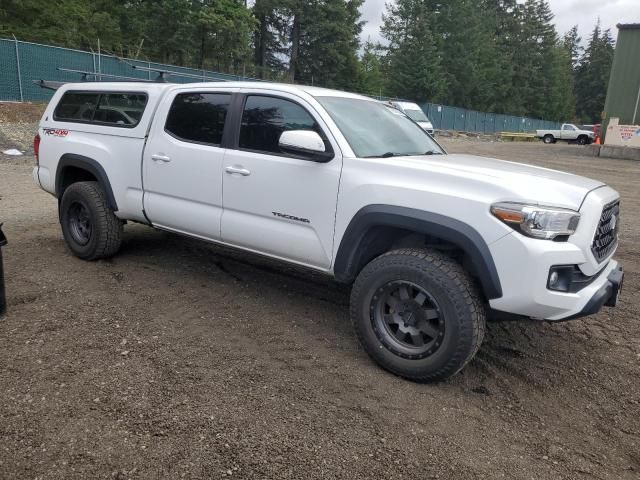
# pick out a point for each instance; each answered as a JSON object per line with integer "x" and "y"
{"x": 375, "y": 130}
{"x": 416, "y": 115}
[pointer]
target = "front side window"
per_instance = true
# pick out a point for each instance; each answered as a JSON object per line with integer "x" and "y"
{"x": 375, "y": 130}
{"x": 198, "y": 117}
{"x": 265, "y": 118}
{"x": 115, "y": 109}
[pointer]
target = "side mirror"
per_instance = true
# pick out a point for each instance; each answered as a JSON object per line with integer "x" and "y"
{"x": 304, "y": 143}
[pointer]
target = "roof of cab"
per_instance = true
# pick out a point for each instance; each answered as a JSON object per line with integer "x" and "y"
{"x": 157, "y": 87}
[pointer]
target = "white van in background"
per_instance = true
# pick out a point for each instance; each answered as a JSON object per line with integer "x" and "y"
{"x": 415, "y": 113}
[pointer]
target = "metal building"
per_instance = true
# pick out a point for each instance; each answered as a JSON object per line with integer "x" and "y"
{"x": 623, "y": 93}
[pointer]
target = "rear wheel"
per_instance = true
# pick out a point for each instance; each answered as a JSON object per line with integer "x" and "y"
{"x": 90, "y": 228}
{"x": 548, "y": 139}
{"x": 418, "y": 314}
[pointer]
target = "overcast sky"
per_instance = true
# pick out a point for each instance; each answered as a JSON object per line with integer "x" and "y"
{"x": 568, "y": 13}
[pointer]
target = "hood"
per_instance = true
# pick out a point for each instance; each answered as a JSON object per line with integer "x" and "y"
{"x": 512, "y": 181}
{"x": 586, "y": 132}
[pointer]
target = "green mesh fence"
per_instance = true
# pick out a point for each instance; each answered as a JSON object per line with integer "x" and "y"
{"x": 22, "y": 63}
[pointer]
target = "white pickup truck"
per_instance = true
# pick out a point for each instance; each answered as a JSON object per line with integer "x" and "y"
{"x": 568, "y": 133}
{"x": 338, "y": 183}
{"x": 415, "y": 113}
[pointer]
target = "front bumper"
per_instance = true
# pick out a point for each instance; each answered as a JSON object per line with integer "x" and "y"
{"x": 606, "y": 296}
{"x": 523, "y": 266}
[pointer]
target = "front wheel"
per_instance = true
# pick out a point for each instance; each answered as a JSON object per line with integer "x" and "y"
{"x": 582, "y": 140}
{"x": 418, "y": 314}
{"x": 90, "y": 228}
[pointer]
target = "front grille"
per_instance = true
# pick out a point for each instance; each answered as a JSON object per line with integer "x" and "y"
{"x": 606, "y": 237}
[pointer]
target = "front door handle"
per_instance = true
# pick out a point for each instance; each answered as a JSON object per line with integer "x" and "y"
{"x": 238, "y": 169}
{"x": 160, "y": 158}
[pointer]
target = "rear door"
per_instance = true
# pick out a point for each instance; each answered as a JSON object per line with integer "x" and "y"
{"x": 278, "y": 204}
{"x": 182, "y": 164}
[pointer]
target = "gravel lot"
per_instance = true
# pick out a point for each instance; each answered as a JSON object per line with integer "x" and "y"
{"x": 179, "y": 359}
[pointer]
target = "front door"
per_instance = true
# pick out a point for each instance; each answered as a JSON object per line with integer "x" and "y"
{"x": 274, "y": 203}
{"x": 182, "y": 163}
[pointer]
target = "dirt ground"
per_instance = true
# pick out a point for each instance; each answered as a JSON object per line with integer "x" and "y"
{"x": 180, "y": 359}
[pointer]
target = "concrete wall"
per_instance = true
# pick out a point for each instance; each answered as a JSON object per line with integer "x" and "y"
{"x": 622, "y": 135}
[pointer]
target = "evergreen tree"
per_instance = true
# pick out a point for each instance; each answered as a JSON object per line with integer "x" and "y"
{"x": 572, "y": 44}
{"x": 372, "y": 79}
{"x": 593, "y": 75}
{"x": 322, "y": 41}
{"x": 466, "y": 40}
{"x": 269, "y": 38}
{"x": 412, "y": 64}
{"x": 224, "y": 29}
{"x": 502, "y": 56}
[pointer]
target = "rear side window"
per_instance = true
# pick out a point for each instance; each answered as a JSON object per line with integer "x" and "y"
{"x": 76, "y": 107}
{"x": 198, "y": 117}
{"x": 120, "y": 109}
{"x": 265, "y": 118}
{"x": 114, "y": 109}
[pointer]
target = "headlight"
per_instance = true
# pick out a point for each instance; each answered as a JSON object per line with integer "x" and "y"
{"x": 537, "y": 221}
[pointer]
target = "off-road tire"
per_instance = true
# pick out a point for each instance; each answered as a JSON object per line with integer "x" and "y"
{"x": 549, "y": 139}
{"x": 448, "y": 284}
{"x": 105, "y": 232}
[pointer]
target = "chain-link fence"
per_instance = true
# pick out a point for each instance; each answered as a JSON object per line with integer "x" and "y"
{"x": 444, "y": 117}
{"x": 22, "y": 63}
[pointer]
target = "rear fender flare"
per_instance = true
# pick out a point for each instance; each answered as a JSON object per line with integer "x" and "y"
{"x": 91, "y": 166}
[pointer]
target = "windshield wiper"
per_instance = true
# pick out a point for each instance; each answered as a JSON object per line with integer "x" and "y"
{"x": 432, "y": 152}
{"x": 387, "y": 155}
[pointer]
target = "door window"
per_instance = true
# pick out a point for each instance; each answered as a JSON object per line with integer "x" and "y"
{"x": 265, "y": 118}
{"x": 198, "y": 117}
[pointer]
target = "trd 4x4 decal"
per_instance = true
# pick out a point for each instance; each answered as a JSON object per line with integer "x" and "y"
{"x": 56, "y": 132}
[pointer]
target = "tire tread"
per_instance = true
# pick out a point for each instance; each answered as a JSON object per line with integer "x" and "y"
{"x": 108, "y": 226}
{"x": 471, "y": 333}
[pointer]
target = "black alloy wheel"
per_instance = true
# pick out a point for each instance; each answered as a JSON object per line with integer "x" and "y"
{"x": 407, "y": 319}
{"x": 80, "y": 222}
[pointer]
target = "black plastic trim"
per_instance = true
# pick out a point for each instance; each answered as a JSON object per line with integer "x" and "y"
{"x": 606, "y": 296}
{"x": 91, "y": 166}
{"x": 573, "y": 280}
{"x": 440, "y": 226}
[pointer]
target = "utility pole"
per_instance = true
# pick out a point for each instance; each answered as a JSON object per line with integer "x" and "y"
{"x": 19, "y": 72}
{"x": 635, "y": 111}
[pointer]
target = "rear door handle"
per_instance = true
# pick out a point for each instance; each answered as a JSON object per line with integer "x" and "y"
{"x": 160, "y": 158}
{"x": 238, "y": 169}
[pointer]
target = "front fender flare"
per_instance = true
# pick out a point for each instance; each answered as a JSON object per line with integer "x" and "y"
{"x": 446, "y": 228}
